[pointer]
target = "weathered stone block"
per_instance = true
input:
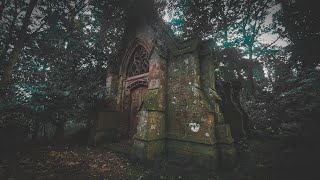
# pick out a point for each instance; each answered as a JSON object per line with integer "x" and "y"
{"x": 154, "y": 100}
{"x": 148, "y": 151}
{"x": 151, "y": 125}
{"x": 203, "y": 155}
{"x": 157, "y": 71}
{"x": 179, "y": 112}
{"x": 207, "y": 68}
{"x": 223, "y": 134}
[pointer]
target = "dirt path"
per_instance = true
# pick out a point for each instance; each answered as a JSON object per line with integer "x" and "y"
{"x": 268, "y": 158}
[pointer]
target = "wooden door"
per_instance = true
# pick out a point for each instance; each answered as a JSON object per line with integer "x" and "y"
{"x": 136, "y": 102}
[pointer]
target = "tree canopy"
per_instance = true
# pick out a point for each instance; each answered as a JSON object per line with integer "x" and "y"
{"x": 54, "y": 54}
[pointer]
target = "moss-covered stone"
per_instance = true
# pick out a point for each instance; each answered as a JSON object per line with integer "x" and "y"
{"x": 157, "y": 71}
{"x": 154, "y": 100}
{"x": 148, "y": 151}
{"x": 151, "y": 125}
{"x": 183, "y": 47}
{"x": 180, "y": 111}
{"x": 223, "y": 134}
{"x": 203, "y": 155}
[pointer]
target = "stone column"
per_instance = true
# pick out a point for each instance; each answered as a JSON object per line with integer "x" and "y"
{"x": 223, "y": 135}
{"x": 105, "y": 119}
{"x": 149, "y": 141}
{"x": 191, "y": 135}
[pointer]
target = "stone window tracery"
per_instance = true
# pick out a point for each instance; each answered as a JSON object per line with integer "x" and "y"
{"x": 139, "y": 63}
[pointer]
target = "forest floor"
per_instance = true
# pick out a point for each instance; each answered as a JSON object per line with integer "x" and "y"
{"x": 260, "y": 158}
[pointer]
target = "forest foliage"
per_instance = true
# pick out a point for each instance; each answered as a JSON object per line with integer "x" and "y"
{"x": 54, "y": 54}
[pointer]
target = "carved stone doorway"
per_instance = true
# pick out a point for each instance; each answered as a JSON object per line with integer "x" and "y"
{"x": 136, "y": 85}
{"x": 136, "y": 88}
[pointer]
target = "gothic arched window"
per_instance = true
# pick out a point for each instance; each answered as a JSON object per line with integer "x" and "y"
{"x": 139, "y": 63}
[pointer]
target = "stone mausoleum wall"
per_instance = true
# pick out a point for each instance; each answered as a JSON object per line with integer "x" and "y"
{"x": 180, "y": 115}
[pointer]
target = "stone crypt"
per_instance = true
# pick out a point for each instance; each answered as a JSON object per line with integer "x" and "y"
{"x": 162, "y": 96}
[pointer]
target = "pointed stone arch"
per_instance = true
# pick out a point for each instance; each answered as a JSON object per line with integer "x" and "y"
{"x": 137, "y": 47}
{"x": 138, "y": 50}
{"x": 138, "y": 62}
{"x": 134, "y": 71}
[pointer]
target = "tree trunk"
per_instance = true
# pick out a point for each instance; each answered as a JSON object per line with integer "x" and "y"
{"x": 18, "y": 45}
{"x": 226, "y": 35}
{"x": 35, "y": 131}
{"x": 2, "y": 6}
{"x": 10, "y": 38}
{"x": 225, "y": 31}
{"x": 250, "y": 69}
{"x": 59, "y": 134}
{"x": 92, "y": 127}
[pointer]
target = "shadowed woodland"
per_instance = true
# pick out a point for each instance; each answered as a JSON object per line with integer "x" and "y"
{"x": 54, "y": 60}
